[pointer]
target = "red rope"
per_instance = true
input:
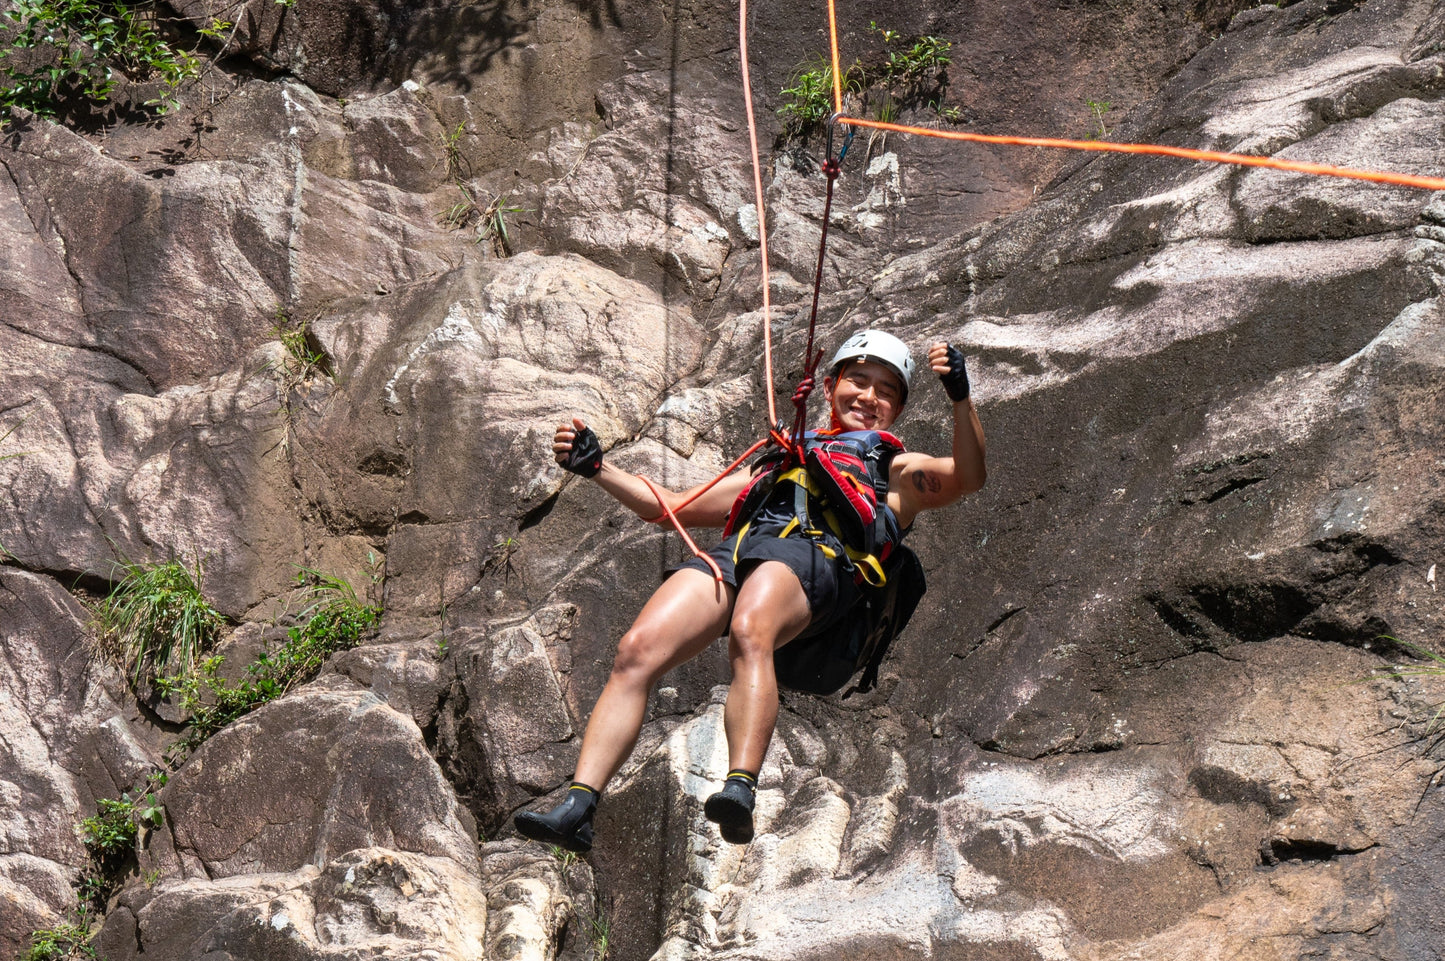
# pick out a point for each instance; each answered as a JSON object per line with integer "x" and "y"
{"x": 831, "y": 169}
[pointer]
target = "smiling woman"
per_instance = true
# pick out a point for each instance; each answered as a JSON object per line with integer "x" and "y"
{"x": 801, "y": 538}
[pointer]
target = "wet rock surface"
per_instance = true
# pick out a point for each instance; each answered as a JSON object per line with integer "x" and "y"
{"x": 1140, "y": 713}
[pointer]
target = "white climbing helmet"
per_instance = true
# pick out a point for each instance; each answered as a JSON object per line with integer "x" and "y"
{"x": 880, "y": 346}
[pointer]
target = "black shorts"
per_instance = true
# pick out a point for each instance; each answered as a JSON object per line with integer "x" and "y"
{"x": 827, "y": 581}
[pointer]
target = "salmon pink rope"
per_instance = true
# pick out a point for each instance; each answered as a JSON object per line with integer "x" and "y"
{"x": 762, "y": 220}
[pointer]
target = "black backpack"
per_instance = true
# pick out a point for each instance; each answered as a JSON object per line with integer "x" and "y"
{"x": 823, "y": 662}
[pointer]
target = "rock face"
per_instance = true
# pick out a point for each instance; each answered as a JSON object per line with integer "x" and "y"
{"x": 68, "y": 739}
{"x": 1141, "y": 713}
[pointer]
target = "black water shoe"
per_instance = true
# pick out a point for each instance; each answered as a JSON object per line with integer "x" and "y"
{"x": 568, "y": 825}
{"x": 731, "y": 809}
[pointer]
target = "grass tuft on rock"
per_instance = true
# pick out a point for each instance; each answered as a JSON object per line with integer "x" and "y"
{"x": 1434, "y": 666}
{"x": 910, "y": 73}
{"x": 334, "y": 619}
{"x": 156, "y": 621}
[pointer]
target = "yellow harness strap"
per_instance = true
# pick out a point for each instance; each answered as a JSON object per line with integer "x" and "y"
{"x": 870, "y": 568}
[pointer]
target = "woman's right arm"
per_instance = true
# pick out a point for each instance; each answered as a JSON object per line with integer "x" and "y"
{"x": 631, "y": 491}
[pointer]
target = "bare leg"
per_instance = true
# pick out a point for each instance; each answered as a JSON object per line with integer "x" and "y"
{"x": 678, "y": 622}
{"x": 771, "y": 610}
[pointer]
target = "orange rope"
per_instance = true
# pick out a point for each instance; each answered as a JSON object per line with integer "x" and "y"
{"x": 1104, "y": 146}
{"x": 716, "y": 572}
{"x": 833, "y": 40}
{"x": 1185, "y": 153}
{"x": 668, "y": 512}
{"x": 762, "y": 221}
{"x": 712, "y": 483}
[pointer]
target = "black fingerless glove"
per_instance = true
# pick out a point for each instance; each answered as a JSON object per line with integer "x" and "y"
{"x": 585, "y": 457}
{"x": 955, "y": 381}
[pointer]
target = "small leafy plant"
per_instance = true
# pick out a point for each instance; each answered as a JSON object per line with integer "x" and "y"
{"x": 490, "y": 221}
{"x": 810, "y": 98}
{"x": 110, "y": 834}
{"x": 110, "y": 837}
{"x": 462, "y": 213}
{"x": 494, "y": 225}
{"x": 1097, "y": 110}
{"x": 564, "y": 857}
{"x": 67, "y": 53}
{"x": 911, "y": 60}
{"x": 111, "y": 830}
{"x": 335, "y": 619}
{"x": 305, "y": 355}
{"x": 64, "y": 942}
{"x": 600, "y": 929}
{"x": 910, "y": 73}
{"x": 156, "y": 620}
{"x": 457, "y": 168}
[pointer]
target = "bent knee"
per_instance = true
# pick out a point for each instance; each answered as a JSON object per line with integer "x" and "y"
{"x": 752, "y": 637}
{"x": 640, "y": 656}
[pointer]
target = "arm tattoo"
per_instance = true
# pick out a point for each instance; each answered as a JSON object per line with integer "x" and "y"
{"x": 924, "y": 481}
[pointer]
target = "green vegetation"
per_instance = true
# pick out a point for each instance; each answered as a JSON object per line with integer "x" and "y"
{"x": 334, "y": 620}
{"x": 457, "y": 167}
{"x": 68, "y": 53}
{"x": 494, "y": 225}
{"x": 463, "y": 213}
{"x": 1097, "y": 110}
{"x": 1434, "y": 667}
{"x": 566, "y": 857}
{"x": 499, "y": 558}
{"x": 110, "y": 834}
{"x": 490, "y": 221}
{"x": 910, "y": 73}
{"x": 110, "y": 837}
{"x": 810, "y": 98}
{"x": 156, "y": 621}
{"x": 601, "y": 931}
{"x": 63, "y": 942}
{"x": 306, "y": 358}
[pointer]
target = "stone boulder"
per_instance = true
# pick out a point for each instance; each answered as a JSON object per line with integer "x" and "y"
{"x": 365, "y": 903}
{"x": 356, "y": 775}
{"x": 323, "y": 812}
